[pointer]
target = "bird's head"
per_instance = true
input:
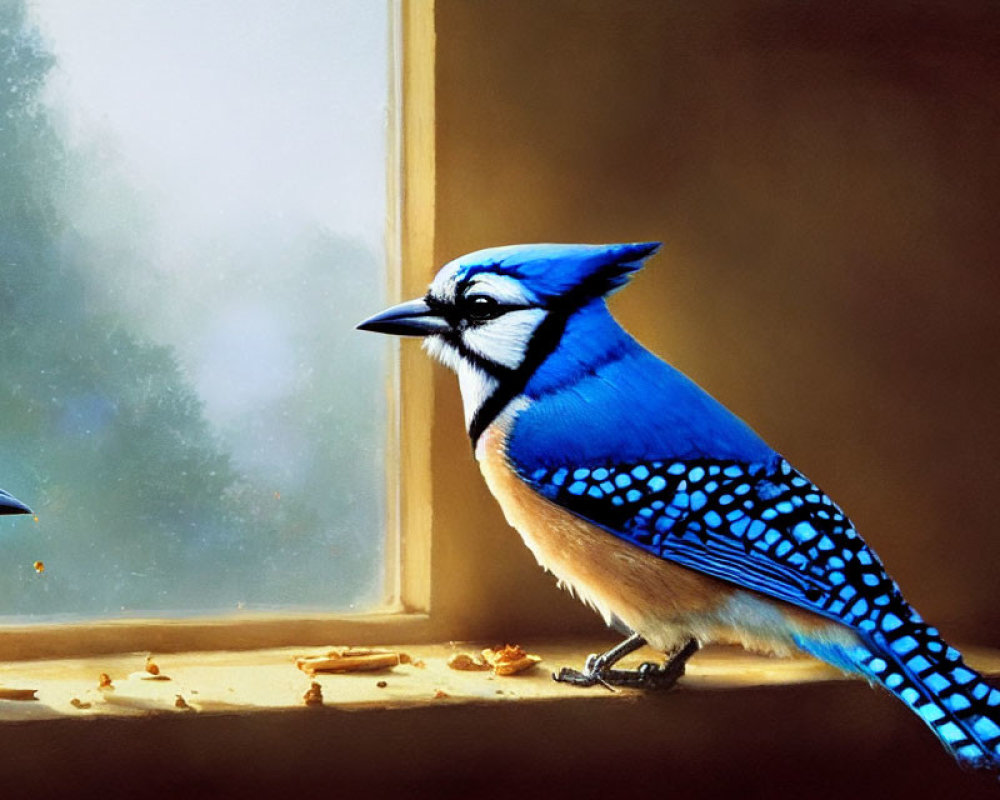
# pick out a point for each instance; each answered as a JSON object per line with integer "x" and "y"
{"x": 495, "y": 314}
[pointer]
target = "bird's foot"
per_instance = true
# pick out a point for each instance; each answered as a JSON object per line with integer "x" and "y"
{"x": 597, "y": 669}
{"x": 648, "y": 676}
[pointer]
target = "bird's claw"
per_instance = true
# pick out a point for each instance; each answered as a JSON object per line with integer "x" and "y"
{"x": 586, "y": 677}
{"x": 648, "y": 675}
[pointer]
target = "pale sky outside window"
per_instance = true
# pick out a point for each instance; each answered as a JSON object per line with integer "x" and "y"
{"x": 220, "y": 198}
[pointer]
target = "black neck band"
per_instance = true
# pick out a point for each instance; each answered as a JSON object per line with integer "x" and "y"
{"x": 543, "y": 342}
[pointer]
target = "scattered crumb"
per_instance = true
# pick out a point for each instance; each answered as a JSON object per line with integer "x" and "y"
{"x": 39, "y": 567}
{"x": 509, "y": 659}
{"x": 381, "y": 684}
{"x": 419, "y": 663}
{"x": 104, "y": 681}
{"x": 76, "y": 702}
{"x": 351, "y": 659}
{"x": 314, "y": 696}
{"x": 151, "y": 672}
{"x": 440, "y": 694}
{"x": 180, "y": 702}
{"x": 467, "y": 663}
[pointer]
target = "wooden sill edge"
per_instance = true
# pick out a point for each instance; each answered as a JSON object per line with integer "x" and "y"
{"x": 267, "y": 680}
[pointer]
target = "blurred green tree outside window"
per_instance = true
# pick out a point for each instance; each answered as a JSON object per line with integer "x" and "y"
{"x": 192, "y": 219}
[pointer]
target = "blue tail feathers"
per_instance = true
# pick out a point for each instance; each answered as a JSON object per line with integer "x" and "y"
{"x": 913, "y": 663}
{"x": 933, "y": 680}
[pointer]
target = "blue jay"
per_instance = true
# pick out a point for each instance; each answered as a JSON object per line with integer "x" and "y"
{"x": 655, "y": 504}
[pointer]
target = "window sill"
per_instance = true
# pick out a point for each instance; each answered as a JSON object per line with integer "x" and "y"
{"x": 739, "y": 726}
{"x": 268, "y": 680}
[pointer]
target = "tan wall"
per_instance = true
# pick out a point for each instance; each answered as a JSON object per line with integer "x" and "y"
{"x": 826, "y": 183}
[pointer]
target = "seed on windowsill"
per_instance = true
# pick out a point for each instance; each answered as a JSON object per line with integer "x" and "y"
{"x": 467, "y": 663}
{"x": 314, "y": 695}
{"x": 76, "y": 702}
{"x": 150, "y": 673}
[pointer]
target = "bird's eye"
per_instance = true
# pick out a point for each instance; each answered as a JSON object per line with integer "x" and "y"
{"x": 481, "y": 307}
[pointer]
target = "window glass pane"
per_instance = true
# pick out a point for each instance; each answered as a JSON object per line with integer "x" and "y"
{"x": 192, "y": 219}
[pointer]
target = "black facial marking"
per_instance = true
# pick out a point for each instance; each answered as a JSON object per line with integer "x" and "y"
{"x": 478, "y": 308}
{"x": 543, "y": 342}
{"x": 468, "y": 311}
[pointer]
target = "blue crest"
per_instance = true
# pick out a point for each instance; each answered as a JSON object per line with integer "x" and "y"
{"x": 555, "y": 270}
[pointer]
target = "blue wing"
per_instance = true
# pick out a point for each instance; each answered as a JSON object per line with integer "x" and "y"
{"x": 767, "y": 529}
{"x": 622, "y": 439}
{"x": 774, "y": 531}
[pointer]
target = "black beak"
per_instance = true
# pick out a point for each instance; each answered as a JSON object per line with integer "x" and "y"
{"x": 11, "y": 505}
{"x": 414, "y": 318}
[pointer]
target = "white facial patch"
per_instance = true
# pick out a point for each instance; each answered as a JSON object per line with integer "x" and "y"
{"x": 476, "y": 386}
{"x": 504, "y": 340}
{"x": 439, "y": 349}
{"x": 445, "y": 284}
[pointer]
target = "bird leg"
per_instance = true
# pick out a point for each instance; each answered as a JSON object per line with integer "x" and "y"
{"x": 598, "y": 668}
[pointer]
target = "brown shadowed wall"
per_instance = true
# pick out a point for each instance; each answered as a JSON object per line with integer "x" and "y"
{"x": 825, "y": 178}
